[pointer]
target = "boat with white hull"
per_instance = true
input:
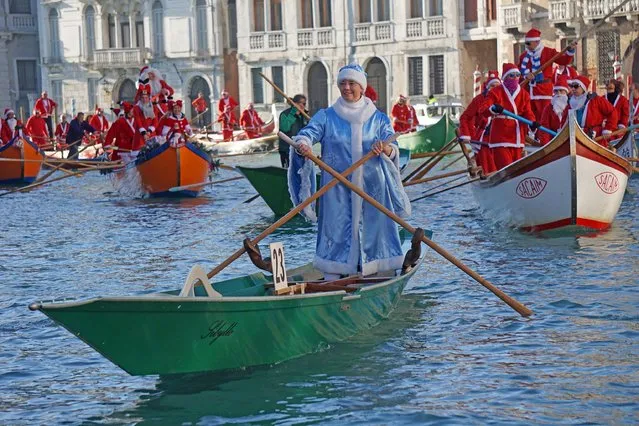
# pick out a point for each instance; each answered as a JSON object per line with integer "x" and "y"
{"x": 570, "y": 182}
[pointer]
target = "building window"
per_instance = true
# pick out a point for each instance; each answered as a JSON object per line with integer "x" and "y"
{"x": 258, "y": 86}
{"x": 278, "y": 78}
{"x": 415, "y": 76}
{"x": 139, "y": 30}
{"x": 89, "y": 23}
{"x": 56, "y": 92}
{"x": 381, "y": 10}
{"x": 232, "y": 26}
{"x": 27, "y": 77}
{"x": 201, "y": 26}
{"x": 92, "y": 91}
{"x": 325, "y": 13}
{"x": 258, "y": 15}
{"x": 607, "y": 49}
{"x": 435, "y": 8}
{"x": 416, "y": 8}
{"x": 54, "y": 34}
{"x": 365, "y": 11}
{"x": 158, "y": 28}
{"x": 267, "y": 15}
{"x": 20, "y": 6}
{"x": 518, "y": 49}
{"x": 111, "y": 22}
{"x": 306, "y": 13}
{"x": 276, "y": 15}
{"x": 436, "y": 74}
{"x": 125, "y": 31}
{"x": 315, "y": 14}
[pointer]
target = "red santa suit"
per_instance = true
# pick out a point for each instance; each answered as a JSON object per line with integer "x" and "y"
{"x": 227, "y": 102}
{"x": 566, "y": 71}
{"x": 622, "y": 106}
{"x": 125, "y": 134}
{"x": 596, "y": 115}
{"x": 99, "y": 122}
{"x": 251, "y": 123}
{"x": 36, "y": 128}
{"x": 540, "y": 89}
{"x": 552, "y": 118}
{"x": 61, "y": 131}
{"x": 401, "y": 115}
{"x": 45, "y": 106}
{"x": 175, "y": 127}
{"x": 371, "y": 94}
{"x": 12, "y": 124}
{"x": 5, "y": 132}
{"x": 507, "y": 135}
{"x": 147, "y": 120}
{"x": 157, "y": 87}
{"x": 634, "y": 112}
{"x": 474, "y": 126}
{"x": 228, "y": 120}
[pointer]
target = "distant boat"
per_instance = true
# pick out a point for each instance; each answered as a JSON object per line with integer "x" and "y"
{"x": 627, "y": 148}
{"x": 572, "y": 182}
{"x": 240, "y": 144}
{"x": 429, "y": 139}
{"x": 22, "y": 162}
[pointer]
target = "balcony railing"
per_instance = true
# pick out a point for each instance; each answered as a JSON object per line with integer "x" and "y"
{"x": 432, "y": 27}
{"x": 562, "y": 10}
{"x": 124, "y": 57}
{"x": 595, "y": 9}
{"x": 514, "y": 15}
{"x": 374, "y": 32}
{"x": 271, "y": 40}
{"x": 313, "y": 38}
{"x": 22, "y": 23}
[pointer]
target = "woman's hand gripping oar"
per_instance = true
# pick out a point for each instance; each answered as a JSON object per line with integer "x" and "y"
{"x": 517, "y": 306}
{"x": 299, "y": 208}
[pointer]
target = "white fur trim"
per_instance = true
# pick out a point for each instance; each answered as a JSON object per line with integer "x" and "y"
{"x": 606, "y": 132}
{"x": 351, "y": 74}
{"x": 380, "y": 265}
{"x": 620, "y": 126}
{"x": 532, "y": 39}
{"x": 579, "y": 82}
{"x": 306, "y": 173}
{"x": 570, "y": 52}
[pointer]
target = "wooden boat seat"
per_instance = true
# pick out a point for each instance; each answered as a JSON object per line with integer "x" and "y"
{"x": 348, "y": 284}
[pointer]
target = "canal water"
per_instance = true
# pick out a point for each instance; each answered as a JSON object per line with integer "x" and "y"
{"x": 451, "y": 353}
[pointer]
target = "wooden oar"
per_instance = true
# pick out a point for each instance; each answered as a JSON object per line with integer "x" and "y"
{"x": 432, "y": 178}
{"x": 254, "y": 197}
{"x": 517, "y": 306}
{"x": 432, "y": 154}
{"x": 55, "y": 169}
{"x": 617, "y": 132}
{"x": 195, "y": 185}
{"x": 453, "y": 162}
{"x": 430, "y": 194}
{"x": 290, "y": 101}
{"x": 198, "y": 116}
{"x": 428, "y": 165}
{"x": 288, "y": 216}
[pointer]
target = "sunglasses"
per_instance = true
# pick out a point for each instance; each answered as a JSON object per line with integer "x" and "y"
{"x": 527, "y": 43}
{"x": 575, "y": 86}
{"x": 513, "y": 75}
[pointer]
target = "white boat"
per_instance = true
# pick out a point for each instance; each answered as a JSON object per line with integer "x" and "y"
{"x": 627, "y": 146}
{"x": 427, "y": 115}
{"x": 214, "y": 144}
{"x": 572, "y": 182}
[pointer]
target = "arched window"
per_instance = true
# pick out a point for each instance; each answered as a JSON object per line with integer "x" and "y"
{"x": 89, "y": 24}
{"x": 127, "y": 91}
{"x": 54, "y": 34}
{"x": 201, "y": 26}
{"x": 158, "y": 28}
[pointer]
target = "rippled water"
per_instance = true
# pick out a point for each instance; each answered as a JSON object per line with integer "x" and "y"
{"x": 451, "y": 353}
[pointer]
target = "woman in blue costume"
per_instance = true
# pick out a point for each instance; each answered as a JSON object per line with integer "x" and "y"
{"x": 353, "y": 236}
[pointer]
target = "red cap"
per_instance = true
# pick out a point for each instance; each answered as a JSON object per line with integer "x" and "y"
{"x": 562, "y": 83}
{"x": 493, "y": 76}
{"x": 127, "y": 107}
{"x": 533, "y": 35}
{"x": 508, "y": 68}
{"x": 581, "y": 80}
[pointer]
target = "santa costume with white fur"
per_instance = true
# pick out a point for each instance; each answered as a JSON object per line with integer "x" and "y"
{"x": 175, "y": 126}
{"x": 151, "y": 82}
{"x": 555, "y": 114}
{"x": 540, "y": 88}
{"x": 592, "y": 111}
{"x": 507, "y": 135}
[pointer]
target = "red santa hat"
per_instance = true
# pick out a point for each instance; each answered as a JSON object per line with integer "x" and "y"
{"x": 179, "y": 103}
{"x": 172, "y": 103}
{"x": 127, "y": 107}
{"x": 562, "y": 83}
{"x": 8, "y": 111}
{"x": 493, "y": 77}
{"x": 533, "y": 35}
{"x": 508, "y": 69}
{"x": 402, "y": 97}
{"x": 581, "y": 80}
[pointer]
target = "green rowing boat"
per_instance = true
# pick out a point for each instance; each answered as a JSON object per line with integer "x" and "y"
{"x": 431, "y": 138}
{"x": 240, "y": 323}
{"x": 271, "y": 183}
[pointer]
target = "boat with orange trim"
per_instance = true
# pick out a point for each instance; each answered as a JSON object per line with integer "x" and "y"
{"x": 572, "y": 182}
{"x": 23, "y": 161}
{"x": 168, "y": 166}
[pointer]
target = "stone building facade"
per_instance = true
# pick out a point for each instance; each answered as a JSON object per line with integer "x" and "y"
{"x": 20, "y": 82}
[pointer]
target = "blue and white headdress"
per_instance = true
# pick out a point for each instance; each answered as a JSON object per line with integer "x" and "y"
{"x": 352, "y": 72}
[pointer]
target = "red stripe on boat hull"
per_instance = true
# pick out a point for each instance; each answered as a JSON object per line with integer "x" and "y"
{"x": 585, "y": 223}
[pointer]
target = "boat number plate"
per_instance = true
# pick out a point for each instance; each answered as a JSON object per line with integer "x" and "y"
{"x": 279, "y": 267}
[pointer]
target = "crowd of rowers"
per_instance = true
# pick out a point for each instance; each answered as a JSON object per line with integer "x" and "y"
{"x": 152, "y": 113}
{"x": 498, "y": 140}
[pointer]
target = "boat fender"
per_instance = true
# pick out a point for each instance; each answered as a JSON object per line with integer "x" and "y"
{"x": 196, "y": 275}
{"x": 415, "y": 252}
{"x": 256, "y": 256}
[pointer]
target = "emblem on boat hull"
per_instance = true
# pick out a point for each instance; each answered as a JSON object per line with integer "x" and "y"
{"x": 531, "y": 187}
{"x": 607, "y": 182}
{"x": 219, "y": 329}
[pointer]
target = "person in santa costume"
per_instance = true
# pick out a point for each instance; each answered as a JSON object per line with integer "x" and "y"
{"x": 227, "y": 103}
{"x": 46, "y": 106}
{"x": 99, "y": 122}
{"x": 200, "y": 107}
{"x": 634, "y": 105}
{"x": 151, "y": 82}
{"x": 595, "y": 114}
{"x": 371, "y": 94}
{"x": 5, "y": 131}
{"x": 61, "y": 131}
{"x": 614, "y": 95}
{"x": 535, "y": 55}
{"x": 175, "y": 126}
{"x": 555, "y": 115}
{"x": 507, "y": 135}
{"x": 401, "y": 115}
{"x": 36, "y": 128}
{"x": 125, "y": 134}
{"x": 474, "y": 126}
{"x": 144, "y": 113}
{"x": 567, "y": 71}
{"x": 251, "y": 122}
{"x": 227, "y": 118}
{"x": 14, "y": 126}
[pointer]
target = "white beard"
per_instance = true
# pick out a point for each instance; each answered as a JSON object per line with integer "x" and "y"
{"x": 156, "y": 86}
{"x": 147, "y": 109}
{"x": 12, "y": 123}
{"x": 559, "y": 103}
{"x": 577, "y": 102}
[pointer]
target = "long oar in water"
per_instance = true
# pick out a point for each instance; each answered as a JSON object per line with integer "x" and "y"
{"x": 428, "y": 165}
{"x": 195, "y": 185}
{"x": 432, "y": 178}
{"x": 517, "y": 306}
{"x": 288, "y": 216}
{"x": 55, "y": 169}
{"x": 430, "y": 194}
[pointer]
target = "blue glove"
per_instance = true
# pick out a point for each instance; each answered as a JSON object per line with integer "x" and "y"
{"x": 539, "y": 77}
{"x": 497, "y": 109}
